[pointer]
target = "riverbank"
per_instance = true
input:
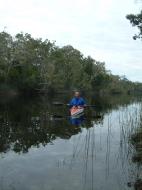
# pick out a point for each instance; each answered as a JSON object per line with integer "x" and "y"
{"x": 136, "y": 140}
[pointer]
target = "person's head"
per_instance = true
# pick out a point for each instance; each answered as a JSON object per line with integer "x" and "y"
{"x": 77, "y": 94}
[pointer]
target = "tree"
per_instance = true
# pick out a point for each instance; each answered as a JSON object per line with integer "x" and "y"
{"x": 27, "y": 63}
{"x": 136, "y": 20}
{"x": 6, "y": 56}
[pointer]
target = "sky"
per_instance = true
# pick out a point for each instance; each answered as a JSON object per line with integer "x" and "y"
{"x": 98, "y": 28}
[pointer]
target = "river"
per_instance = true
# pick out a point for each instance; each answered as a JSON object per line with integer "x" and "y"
{"x": 41, "y": 148}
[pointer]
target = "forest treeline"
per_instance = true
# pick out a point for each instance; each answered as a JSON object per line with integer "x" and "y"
{"x": 28, "y": 64}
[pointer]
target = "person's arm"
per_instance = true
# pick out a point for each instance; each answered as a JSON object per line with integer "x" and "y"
{"x": 82, "y": 103}
{"x": 71, "y": 104}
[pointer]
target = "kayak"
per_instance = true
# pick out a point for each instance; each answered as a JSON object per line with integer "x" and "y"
{"x": 76, "y": 111}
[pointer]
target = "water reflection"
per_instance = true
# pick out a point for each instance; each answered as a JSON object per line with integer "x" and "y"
{"x": 24, "y": 124}
{"x": 89, "y": 152}
{"x": 77, "y": 120}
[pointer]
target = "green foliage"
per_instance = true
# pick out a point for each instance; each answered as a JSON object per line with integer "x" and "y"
{"x": 27, "y": 64}
{"x": 136, "y": 20}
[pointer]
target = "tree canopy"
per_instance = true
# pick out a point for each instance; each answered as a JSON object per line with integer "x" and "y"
{"x": 27, "y": 64}
{"x": 136, "y": 20}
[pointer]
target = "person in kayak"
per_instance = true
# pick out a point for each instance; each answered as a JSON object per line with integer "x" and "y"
{"x": 77, "y": 101}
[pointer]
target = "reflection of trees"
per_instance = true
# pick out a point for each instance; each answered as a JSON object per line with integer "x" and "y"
{"x": 24, "y": 124}
{"x": 27, "y": 123}
{"x": 108, "y": 103}
{"x": 18, "y": 137}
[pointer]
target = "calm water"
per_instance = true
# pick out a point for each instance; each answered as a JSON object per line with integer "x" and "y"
{"x": 41, "y": 148}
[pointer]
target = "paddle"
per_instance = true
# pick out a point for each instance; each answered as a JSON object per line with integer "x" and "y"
{"x": 60, "y": 117}
{"x": 59, "y": 104}
{"x": 62, "y": 104}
